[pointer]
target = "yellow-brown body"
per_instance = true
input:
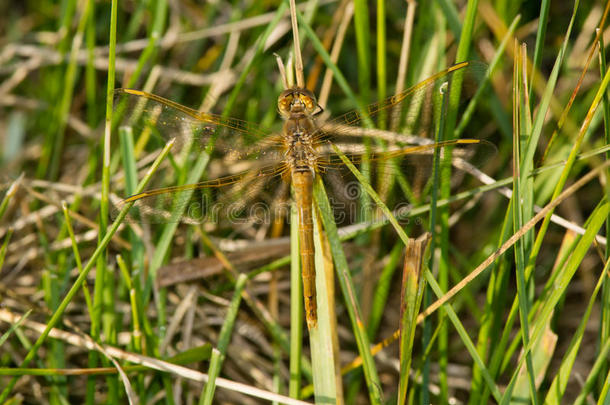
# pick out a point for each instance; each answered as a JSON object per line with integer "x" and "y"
{"x": 297, "y": 107}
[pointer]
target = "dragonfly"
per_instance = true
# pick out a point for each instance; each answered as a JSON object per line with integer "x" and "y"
{"x": 255, "y": 161}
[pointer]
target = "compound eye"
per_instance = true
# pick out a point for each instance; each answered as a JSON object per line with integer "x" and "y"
{"x": 307, "y": 102}
{"x": 284, "y": 103}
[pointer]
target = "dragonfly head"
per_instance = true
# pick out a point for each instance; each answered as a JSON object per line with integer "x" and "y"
{"x": 296, "y": 100}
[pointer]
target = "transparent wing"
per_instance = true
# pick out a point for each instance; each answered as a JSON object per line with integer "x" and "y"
{"x": 390, "y": 124}
{"x": 404, "y": 177}
{"x": 392, "y": 142}
{"x": 151, "y": 114}
{"x": 412, "y": 113}
{"x": 251, "y": 196}
{"x": 248, "y": 159}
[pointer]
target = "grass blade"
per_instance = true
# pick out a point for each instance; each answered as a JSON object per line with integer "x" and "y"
{"x": 219, "y": 353}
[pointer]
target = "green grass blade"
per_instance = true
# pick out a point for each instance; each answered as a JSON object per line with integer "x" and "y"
{"x": 296, "y": 307}
{"x": 470, "y": 109}
{"x": 363, "y": 46}
{"x": 367, "y": 187}
{"x": 382, "y": 290}
{"x": 558, "y": 386}
{"x": 81, "y": 277}
{"x": 597, "y": 219}
{"x": 522, "y": 212}
{"x": 347, "y": 287}
{"x": 381, "y": 59}
{"x": 540, "y": 35}
{"x": 3, "y": 249}
{"x": 10, "y": 193}
{"x": 604, "y": 329}
{"x": 14, "y": 327}
{"x": 461, "y": 330}
{"x": 322, "y": 337}
{"x": 220, "y": 352}
{"x": 68, "y": 91}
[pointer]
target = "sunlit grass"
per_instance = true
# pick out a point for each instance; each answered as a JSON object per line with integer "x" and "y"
{"x": 99, "y": 309}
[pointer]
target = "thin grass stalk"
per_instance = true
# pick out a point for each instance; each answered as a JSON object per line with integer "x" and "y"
{"x": 100, "y": 285}
{"x": 595, "y": 221}
{"x": 259, "y": 48}
{"x": 604, "y": 397}
{"x": 156, "y": 32}
{"x": 465, "y": 338}
{"x": 510, "y": 242}
{"x": 382, "y": 290}
{"x": 348, "y": 12}
{"x": 365, "y": 62}
{"x": 148, "y": 54}
{"x": 14, "y": 327}
{"x": 470, "y": 109}
{"x": 447, "y": 130}
{"x": 564, "y": 114}
{"x": 540, "y": 35}
{"x": 55, "y": 318}
{"x": 10, "y": 193}
{"x": 562, "y": 376}
{"x": 384, "y": 182}
{"x": 220, "y": 352}
{"x": 48, "y": 151}
{"x": 337, "y": 74}
{"x": 381, "y": 59}
{"x": 604, "y": 329}
{"x": 405, "y": 50}
{"x": 196, "y": 354}
{"x": 52, "y": 287}
{"x": 68, "y": 91}
{"x": 90, "y": 85}
{"x": 258, "y": 308}
{"x": 568, "y": 166}
{"x": 543, "y": 105}
{"x": 363, "y": 46}
{"x": 490, "y": 330}
{"x": 133, "y": 300}
{"x": 518, "y": 210}
{"x": 298, "y": 60}
{"x": 452, "y": 16}
{"x": 141, "y": 328}
{"x": 4, "y": 248}
{"x": 527, "y": 184}
{"x": 128, "y": 159}
{"x": 443, "y": 100}
{"x": 76, "y": 252}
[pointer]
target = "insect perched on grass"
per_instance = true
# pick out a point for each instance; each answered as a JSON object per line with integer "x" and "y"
{"x": 303, "y": 150}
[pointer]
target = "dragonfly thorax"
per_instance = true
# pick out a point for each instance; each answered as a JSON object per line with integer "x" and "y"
{"x": 299, "y": 144}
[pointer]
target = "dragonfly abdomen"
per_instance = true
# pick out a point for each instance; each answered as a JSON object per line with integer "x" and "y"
{"x": 303, "y": 185}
